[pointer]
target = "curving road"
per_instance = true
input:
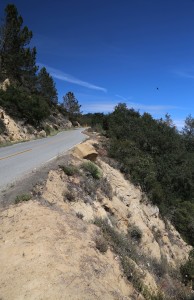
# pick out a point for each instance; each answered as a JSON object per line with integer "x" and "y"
{"x": 19, "y": 159}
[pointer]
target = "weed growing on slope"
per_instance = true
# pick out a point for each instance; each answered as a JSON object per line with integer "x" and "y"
{"x": 101, "y": 244}
{"x": 69, "y": 170}
{"x": 128, "y": 254}
{"x": 92, "y": 169}
{"x": 22, "y": 198}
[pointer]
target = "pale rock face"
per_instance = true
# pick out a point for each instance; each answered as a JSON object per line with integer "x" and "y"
{"x": 15, "y": 132}
{"x": 146, "y": 217}
{"x": 42, "y": 133}
{"x": 85, "y": 150}
{"x": 5, "y": 84}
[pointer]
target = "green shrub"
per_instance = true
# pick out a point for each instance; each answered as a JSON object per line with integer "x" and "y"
{"x": 22, "y": 198}
{"x": 128, "y": 255}
{"x": 70, "y": 196}
{"x": 47, "y": 129}
{"x": 117, "y": 240}
{"x": 101, "y": 244}
{"x": 106, "y": 188}
{"x": 135, "y": 233}
{"x": 92, "y": 169}
{"x": 69, "y": 170}
{"x": 187, "y": 270}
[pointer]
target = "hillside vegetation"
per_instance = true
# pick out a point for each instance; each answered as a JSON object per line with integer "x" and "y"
{"x": 89, "y": 233}
{"x": 155, "y": 156}
{"x": 26, "y": 91}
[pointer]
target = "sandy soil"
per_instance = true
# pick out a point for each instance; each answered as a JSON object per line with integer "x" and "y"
{"x": 47, "y": 253}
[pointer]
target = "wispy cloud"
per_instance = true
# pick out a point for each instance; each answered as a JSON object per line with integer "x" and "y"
{"x": 145, "y": 107}
{"x": 184, "y": 74}
{"x": 155, "y": 110}
{"x": 123, "y": 98}
{"x": 71, "y": 79}
{"x": 151, "y": 108}
{"x": 100, "y": 107}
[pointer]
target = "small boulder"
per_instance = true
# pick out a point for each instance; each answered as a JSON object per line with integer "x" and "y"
{"x": 67, "y": 124}
{"x": 86, "y": 151}
{"x": 42, "y": 133}
{"x": 76, "y": 124}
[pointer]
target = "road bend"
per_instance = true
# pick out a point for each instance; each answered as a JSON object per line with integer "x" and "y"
{"x": 19, "y": 159}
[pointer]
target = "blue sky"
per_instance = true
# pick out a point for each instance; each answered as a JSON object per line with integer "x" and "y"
{"x": 111, "y": 51}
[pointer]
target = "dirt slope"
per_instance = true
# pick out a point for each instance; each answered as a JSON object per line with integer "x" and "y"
{"x": 48, "y": 253}
{"x": 48, "y": 245}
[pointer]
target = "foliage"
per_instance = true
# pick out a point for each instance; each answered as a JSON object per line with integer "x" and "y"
{"x": 183, "y": 218}
{"x": 92, "y": 169}
{"x": 155, "y": 156}
{"x": 188, "y": 133}
{"x": 70, "y": 196}
{"x": 17, "y": 61}
{"x": 101, "y": 244}
{"x": 19, "y": 103}
{"x": 122, "y": 246}
{"x": 46, "y": 87}
{"x": 98, "y": 121}
{"x": 69, "y": 170}
{"x": 187, "y": 270}
{"x": 30, "y": 95}
{"x": 135, "y": 233}
{"x": 22, "y": 198}
{"x": 71, "y": 105}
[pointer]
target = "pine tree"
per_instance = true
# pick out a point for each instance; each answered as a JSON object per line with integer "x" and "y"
{"x": 17, "y": 61}
{"x": 46, "y": 87}
{"x": 72, "y": 106}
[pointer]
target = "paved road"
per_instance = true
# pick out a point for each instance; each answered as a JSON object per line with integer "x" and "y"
{"x": 19, "y": 159}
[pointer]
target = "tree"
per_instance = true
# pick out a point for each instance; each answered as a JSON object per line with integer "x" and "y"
{"x": 188, "y": 129}
{"x": 188, "y": 133}
{"x": 46, "y": 87}
{"x": 72, "y": 106}
{"x": 17, "y": 61}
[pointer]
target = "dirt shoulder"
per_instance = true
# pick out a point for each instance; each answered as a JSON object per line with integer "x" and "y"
{"x": 27, "y": 183}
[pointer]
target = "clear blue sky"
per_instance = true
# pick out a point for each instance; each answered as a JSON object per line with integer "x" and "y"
{"x": 110, "y": 51}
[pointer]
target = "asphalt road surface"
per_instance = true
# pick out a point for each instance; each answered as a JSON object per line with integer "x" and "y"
{"x": 19, "y": 159}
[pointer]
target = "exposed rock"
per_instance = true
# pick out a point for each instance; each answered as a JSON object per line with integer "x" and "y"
{"x": 85, "y": 150}
{"x": 20, "y": 130}
{"x": 76, "y": 124}
{"x": 42, "y": 133}
{"x": 68, "y": 124}
{"x": 14, "y": 131}
{"x": 60, "y": 250}
{"x": 5, "y": 84}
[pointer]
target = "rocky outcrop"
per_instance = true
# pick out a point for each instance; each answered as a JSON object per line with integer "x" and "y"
{"x": 86, "y": 150}
{"x": 42, "y": 133}
{"x": 58, "y": 121}
{"x": 20, "y": 131}
{"x": 5, "y": 84}
{"x": 13, "y": 132}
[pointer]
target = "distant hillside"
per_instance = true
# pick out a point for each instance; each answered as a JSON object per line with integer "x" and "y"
{"x": 27, "y": 93}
